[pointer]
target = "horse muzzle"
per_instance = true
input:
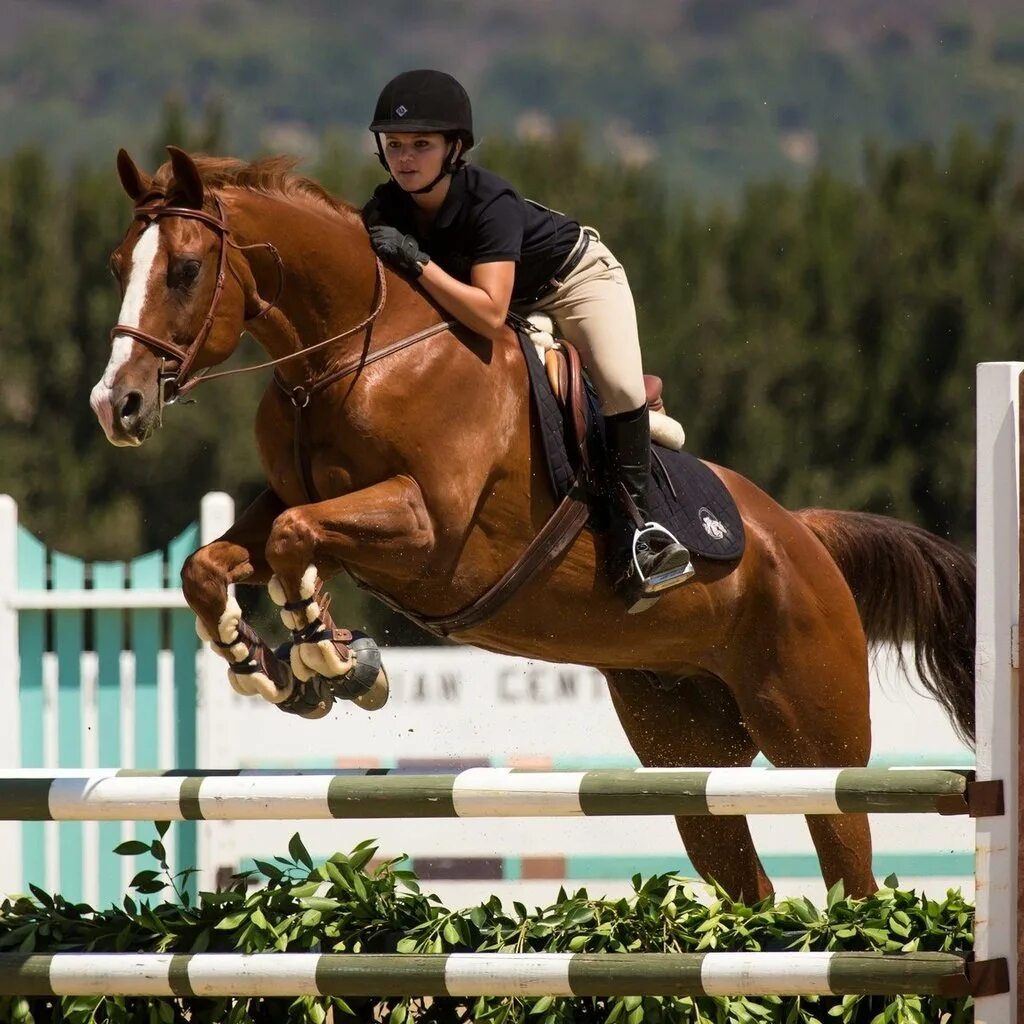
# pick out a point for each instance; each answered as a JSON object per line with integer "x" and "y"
{"x": 128, "y": 416}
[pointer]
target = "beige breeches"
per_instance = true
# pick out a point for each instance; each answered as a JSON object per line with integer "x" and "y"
{"x": 593, "y": 309}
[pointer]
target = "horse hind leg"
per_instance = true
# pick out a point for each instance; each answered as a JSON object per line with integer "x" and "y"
{"x": 810, "y": 709}
{"x": 693, "y": 723}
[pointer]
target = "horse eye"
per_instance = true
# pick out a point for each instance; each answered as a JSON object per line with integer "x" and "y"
{"x": 184, "y": 274}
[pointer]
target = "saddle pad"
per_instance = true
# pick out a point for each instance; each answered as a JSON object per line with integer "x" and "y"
{"x": 688, "y": 498}
{"x": 685, "y": 495}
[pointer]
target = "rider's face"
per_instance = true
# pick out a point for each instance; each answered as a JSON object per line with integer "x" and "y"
{"x": 414, "y": 158}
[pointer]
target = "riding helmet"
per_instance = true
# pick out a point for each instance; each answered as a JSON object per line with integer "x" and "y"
{"x": 424, "y": 101}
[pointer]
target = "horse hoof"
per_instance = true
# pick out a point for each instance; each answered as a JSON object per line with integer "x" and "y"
{"x": 377, "y": 696}
{"x": 367, "y": 683}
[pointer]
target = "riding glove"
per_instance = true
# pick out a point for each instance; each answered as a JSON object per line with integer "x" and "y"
{"x": 402, "y": 251}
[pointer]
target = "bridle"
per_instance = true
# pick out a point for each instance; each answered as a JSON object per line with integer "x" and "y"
{"x": 178, "y": 381}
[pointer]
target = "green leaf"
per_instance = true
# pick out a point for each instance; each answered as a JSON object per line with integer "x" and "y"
{"x": 44, "y": 898}
{"x": 21, "y": 1012}
{"x": 319, "y": 903}
{"x": 232, "y": 921}
{"x": 618, "y": 1009}
{"x": 362, "y": 856}
{"x": 541, "y": 1006}
{"x": 398, "y": 1014}
{"x": 148, "y": 888}
{"x": 298, "y": 851}
{"x": 161, "y": 827}
{"x": 269, "y": 870}
{"x": 131, "y": 848}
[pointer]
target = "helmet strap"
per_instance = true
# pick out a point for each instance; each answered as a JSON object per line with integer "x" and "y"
{"x": 446, "y": 166}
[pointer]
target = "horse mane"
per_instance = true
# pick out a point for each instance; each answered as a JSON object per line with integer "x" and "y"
{"x": 270, "y": 175}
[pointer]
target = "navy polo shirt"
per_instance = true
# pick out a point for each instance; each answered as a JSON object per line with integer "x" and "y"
{"x": 483, "y": 220}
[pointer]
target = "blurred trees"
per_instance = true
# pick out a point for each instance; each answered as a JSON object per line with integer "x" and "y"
{"x": 820, "y": 338}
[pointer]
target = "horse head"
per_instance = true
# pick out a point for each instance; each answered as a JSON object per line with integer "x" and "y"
{"x": 180, "y": 312}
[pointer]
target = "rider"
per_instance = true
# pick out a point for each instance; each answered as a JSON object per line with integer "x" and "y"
{"x": 479, "y": 248}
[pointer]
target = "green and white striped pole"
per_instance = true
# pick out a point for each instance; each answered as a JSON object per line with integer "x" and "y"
{"x": 477, "y": 974}
{"x": 476, "y": 793}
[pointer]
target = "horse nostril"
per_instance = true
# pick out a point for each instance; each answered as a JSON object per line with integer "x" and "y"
{"x": 130, "y": 406}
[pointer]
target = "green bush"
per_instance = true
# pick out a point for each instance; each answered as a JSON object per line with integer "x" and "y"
{"x": 347, "y": 905}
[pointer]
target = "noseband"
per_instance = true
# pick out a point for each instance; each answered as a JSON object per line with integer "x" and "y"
{"x": 178, "y": 381}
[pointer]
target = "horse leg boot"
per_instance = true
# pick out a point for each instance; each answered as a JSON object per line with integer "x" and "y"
{"x": 253, "y": 668}
{"x": 646, "y": 558}
{"x": 239, "y": 556}
{"x": 362, "y": 531}
{"x": 333, "y": 662}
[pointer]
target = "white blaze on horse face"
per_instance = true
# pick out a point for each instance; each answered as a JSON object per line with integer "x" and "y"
{"x": 135, "y": 294}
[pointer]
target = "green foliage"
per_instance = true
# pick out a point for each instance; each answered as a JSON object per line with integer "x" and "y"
{"x": 348, "y": 904}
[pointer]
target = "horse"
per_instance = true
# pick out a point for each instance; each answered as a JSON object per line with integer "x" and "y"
{"x": 400, "y": 448}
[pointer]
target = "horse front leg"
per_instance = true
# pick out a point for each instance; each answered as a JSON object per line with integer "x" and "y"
{"x": 385, "y": 523}
{"x": 239, "y": 556}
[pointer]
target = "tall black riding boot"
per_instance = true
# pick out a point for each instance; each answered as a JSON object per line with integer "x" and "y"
{"x": 645, "y": 559}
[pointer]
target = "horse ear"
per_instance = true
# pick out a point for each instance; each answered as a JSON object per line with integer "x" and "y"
{"x": 135, "y": 182}
{"x": 187, "y": 177}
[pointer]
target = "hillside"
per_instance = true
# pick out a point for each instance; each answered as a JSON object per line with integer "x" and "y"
{"x": 717, "y": 92}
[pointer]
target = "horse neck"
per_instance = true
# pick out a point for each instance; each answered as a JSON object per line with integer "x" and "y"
{"x": 330, "y": 276}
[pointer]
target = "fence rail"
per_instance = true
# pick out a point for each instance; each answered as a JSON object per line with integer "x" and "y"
{"x": 475, "y": 793}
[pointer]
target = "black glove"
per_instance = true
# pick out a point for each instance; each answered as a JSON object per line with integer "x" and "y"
{"x": 401, "y": 251}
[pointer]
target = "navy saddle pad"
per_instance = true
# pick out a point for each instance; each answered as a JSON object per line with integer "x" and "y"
{"x": 685, "y": 495}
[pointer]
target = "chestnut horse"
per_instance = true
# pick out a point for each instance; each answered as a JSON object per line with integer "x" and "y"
{"x": 429, "y": 484}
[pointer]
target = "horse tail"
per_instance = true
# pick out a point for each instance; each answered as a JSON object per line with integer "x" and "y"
{"x": 910, "y": 585}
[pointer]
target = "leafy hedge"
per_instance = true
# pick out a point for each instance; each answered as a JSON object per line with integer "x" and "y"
{"x": 345, "y": 905}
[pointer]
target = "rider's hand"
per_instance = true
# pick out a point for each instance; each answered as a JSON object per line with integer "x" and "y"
{"x": 401, "y": 251}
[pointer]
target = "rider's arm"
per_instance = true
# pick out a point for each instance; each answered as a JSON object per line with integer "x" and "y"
{"x": 481, "y": 305}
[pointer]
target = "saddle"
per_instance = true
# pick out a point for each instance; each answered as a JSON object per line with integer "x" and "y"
{"x": 685, "y": 495}
{"x": 565, "y": 375}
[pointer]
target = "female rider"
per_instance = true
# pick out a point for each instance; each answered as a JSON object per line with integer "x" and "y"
{"x": 479, "y": 248}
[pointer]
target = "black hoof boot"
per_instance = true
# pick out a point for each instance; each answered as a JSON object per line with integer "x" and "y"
{"x": 367, "y": 684}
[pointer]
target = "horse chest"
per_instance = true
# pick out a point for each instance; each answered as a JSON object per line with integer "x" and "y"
{"x": 288, "y": 466}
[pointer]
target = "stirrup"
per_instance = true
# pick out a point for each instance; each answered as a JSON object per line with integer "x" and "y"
{"x": 667, "y": 576}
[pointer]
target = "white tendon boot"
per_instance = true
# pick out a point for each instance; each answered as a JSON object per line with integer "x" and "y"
{"x": 321, "y": 650}
{"x": 249, "y": 670}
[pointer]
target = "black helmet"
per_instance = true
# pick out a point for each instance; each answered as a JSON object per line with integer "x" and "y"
{"x": 425, "y": 101}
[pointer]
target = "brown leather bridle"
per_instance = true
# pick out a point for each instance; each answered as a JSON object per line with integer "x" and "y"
{"x": 178, "y": 381}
